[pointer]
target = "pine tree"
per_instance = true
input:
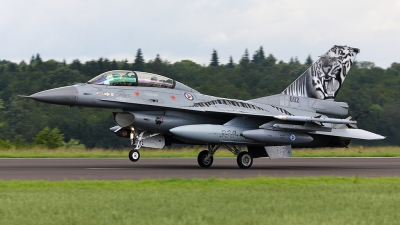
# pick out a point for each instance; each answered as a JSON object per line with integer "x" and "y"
{"x": 76, "y": 65}
{"x": 38, "y": 59}
{"x": 214, "y": 59}
{"x": 255, "y": 58}
{"x": 270, "y": 60}
{"x": 100, "y": 64}
{"x": 32, "y": 60}
{"x": 258, "y": 55}
{"x": 23, "y": 66}
{"x": 12, "y": 67}
{"x": 230, "y": 64}
{"x": 125, "y": 65}
{"x": 261, "y": 54}
{"x": 157, "y": 65}
{"x": 309, "y": 61}
{"x": 157, "y": 59}
{"x": 106, "y": 65}
{"x": 291, "y": 61}
{"x": 114, "y": 65}
{"x": 245, "y": 59}
{"x": 139, "y": 61}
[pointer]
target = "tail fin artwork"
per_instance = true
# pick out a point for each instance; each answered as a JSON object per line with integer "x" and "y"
{"x": 325, "y": 76}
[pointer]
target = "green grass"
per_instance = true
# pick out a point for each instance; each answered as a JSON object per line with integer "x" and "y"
{"x": 38, "y": 152}
{"x": 357, "y": 151}
{"x": 324, "y": 200}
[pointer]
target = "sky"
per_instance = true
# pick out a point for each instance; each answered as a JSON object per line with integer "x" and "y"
{"x": 182, "y": 29}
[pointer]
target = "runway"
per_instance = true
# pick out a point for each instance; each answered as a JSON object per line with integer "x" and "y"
{"x": 123, "y": 169}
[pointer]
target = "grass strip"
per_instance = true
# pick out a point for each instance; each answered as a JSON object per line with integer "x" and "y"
{"x": 323, "y": 200}
{"x": 37, "y": 152}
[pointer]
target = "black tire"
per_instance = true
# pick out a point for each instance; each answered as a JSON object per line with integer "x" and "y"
{"x": 134, "y": 155}
{"x": 244, "y": 160}
{"x": 201, "y": 159}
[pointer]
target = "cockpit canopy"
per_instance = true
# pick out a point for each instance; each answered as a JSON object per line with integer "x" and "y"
{"x": 132, "y": 78}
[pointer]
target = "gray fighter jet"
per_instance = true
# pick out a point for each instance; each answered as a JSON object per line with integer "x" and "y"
{"x": 156, "y": 111}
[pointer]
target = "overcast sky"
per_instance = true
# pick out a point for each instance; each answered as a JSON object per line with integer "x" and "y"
{"x": 189, "y": 29}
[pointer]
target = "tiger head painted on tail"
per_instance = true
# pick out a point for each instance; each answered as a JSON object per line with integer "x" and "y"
{"x": 325, "y": 77}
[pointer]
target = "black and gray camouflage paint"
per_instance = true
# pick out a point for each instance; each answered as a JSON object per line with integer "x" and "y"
{"x": 325, "y": 77}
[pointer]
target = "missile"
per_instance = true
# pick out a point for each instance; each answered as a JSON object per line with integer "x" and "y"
{"x": 305, "y": 128}
{"x": 276, "y": 137}
{"x": 314, "y": 119}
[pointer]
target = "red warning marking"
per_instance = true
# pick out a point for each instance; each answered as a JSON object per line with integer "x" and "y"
{"x": 173, "y": 97}
{"x": 137, "y": 93}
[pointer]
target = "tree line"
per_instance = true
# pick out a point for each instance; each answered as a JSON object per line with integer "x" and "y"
{"x": 372, "y": 92}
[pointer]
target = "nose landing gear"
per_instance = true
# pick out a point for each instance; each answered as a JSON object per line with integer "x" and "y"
{"x": 137, "y": 140}
{"x": 134, "y": 155}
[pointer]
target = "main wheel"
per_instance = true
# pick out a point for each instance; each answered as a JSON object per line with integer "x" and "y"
{"x": 134, "y": 155}
{"x": 204, "y": 160}
{"x": 244, "y": 160}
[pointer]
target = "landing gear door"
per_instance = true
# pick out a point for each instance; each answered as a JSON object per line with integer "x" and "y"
{"x": 157, "y": 141}
{"x": 279, "y": 152}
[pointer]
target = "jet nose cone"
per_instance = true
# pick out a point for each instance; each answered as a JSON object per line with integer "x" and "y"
{"x": 63, "y": 96}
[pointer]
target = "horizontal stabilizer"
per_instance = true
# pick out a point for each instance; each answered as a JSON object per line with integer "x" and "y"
{"x": 352, "y": 133}
{"x": 314, "y": 119}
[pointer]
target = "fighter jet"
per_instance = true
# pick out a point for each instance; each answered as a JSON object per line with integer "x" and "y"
{"x": 154, "y": 111}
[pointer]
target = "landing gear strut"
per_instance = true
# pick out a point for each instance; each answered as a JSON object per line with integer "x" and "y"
{"x": 134, "y": 154}
{"x": 205, "y": 157}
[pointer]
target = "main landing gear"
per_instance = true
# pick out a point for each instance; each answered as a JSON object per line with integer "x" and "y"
{"x": 206, "y": 157}
{"x": 244, "y": 160}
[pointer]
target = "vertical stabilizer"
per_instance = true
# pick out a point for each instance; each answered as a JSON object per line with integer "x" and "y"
{"x": 326, "y": 75}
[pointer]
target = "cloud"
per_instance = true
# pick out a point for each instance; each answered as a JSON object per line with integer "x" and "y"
{"x": 219, "y": 38}
{"x": 179, "y": 29}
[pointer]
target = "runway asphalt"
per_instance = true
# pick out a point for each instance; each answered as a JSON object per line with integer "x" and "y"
{"x": 123, "y": 169}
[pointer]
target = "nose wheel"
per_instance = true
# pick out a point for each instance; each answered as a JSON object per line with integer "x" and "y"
{"x": 134, "y": 155}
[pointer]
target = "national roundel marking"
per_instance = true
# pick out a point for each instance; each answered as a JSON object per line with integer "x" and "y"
{"x": 292, "y": 137}
{"x": 189, "y": 96}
